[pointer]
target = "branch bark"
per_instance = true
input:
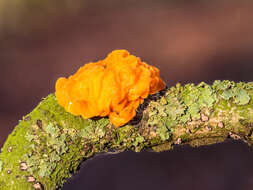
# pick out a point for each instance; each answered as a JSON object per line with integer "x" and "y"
{"x": 48, "y": 145}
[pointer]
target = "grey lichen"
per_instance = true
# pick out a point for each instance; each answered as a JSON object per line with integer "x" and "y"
{"x": 49, "y": 144}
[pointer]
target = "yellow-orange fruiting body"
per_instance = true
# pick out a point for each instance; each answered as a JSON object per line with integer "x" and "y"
{"x": 114, "y": 86}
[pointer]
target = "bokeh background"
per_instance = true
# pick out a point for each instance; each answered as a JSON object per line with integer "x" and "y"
{"x": 189, "y": 41}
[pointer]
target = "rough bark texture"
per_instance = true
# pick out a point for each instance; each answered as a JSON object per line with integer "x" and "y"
{"x": 49, "y": 144}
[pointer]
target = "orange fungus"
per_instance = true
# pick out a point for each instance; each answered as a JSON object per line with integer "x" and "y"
{"x": 114, "y": 86}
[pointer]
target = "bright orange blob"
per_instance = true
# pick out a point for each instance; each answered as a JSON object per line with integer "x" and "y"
{"x": 112, "y": 87}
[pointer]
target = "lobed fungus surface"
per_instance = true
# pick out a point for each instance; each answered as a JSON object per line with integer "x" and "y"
{"x": 111, "y": 87}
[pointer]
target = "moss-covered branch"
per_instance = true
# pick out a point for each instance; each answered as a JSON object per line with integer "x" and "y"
{"x": 47, "y": 146}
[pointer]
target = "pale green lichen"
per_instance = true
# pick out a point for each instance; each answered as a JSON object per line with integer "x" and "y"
{"x": 52, "y": 130}
{"x": 94, "y": 131}
{"x": 46, "y": 168}
{"x": 235, "y": 91}
{"x": 138, "y": 140}
{"x": 58, "y": 144}
{"x": 227, "y": 94}
{"x": 196, "y": 98}
{"x": 159, "y": 120}
{"x": 242, "y": 97}
{"x": 221, "y": 85}
{"x": 87, "y": 132}
{"x": 45, "y": 154}
{"x": 194, "y": 111}
{"x": 163, "y": 132}
{"x": 207, "y": 96}
{"x": 29, "y": 136}
{"x": 174, "y": 108}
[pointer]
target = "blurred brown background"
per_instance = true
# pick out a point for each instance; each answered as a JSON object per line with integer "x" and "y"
{"x": 189, "y": 41}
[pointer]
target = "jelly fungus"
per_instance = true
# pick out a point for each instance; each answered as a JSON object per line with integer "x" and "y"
{"x": 111, "y": 87}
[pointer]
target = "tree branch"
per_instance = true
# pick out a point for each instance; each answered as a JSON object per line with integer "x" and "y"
{"x": 48, "y": 145}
